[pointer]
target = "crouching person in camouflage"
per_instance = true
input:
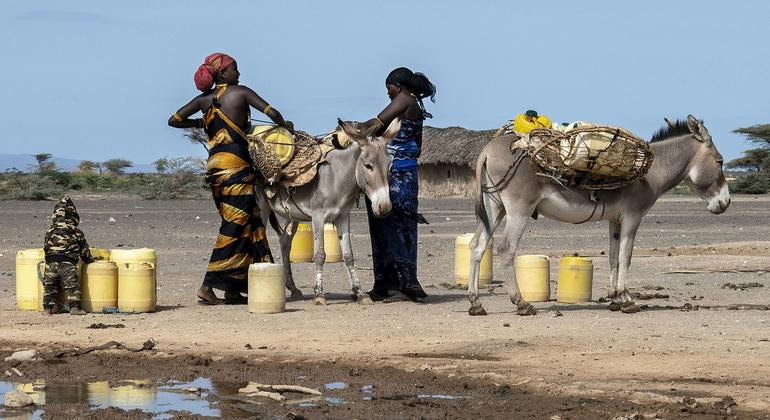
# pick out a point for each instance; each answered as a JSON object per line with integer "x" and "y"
{"x": 64, "y": 243}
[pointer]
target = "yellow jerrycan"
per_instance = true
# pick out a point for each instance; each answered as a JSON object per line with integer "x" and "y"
{"x": 141, "y": 255}
{"x": 575, "y": 280}
{"x": 463, "y": 261}
{"x": 137, "y": 287}
{"x": 332, "y": 244}
{"x": 100, "y": 254}
{"x": 302, "y": 244}
{"x": 279, "y": 138}
{"x": 30, "y": 265}
{"x": 267, "y": 286}
{"x": 99, "y": 286}
{"x": 533, "y": 275}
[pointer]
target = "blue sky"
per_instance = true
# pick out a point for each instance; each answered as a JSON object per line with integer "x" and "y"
{"x": 97, "y": 79}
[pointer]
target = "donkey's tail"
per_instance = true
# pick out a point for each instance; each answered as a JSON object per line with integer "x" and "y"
{"x": 481, "y": 176}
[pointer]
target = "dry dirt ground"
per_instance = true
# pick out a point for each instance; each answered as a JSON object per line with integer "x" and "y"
{"x": 703, "y": 341}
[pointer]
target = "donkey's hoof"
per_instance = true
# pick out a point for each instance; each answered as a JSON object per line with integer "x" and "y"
{"x": 526, "y": 310}
{"x": 477, "y": 310}
{"x": 615, "y": 305}
{"x": 630, "y": 308}
{"x": 319, "y": 300}
{"x": 296, "y": 295}
{"x": 364, "y": 299}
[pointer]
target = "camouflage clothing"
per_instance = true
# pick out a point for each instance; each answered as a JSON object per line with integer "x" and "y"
{"x": 64, "y": 244}
{"x": 64, "y": 241}
{"x": 67, "y": 274}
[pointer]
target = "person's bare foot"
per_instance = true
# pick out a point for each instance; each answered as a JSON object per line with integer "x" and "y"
{"x": 207, "y": 296}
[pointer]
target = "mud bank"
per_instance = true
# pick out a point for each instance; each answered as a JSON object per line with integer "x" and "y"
{"x": 119, "y": 384}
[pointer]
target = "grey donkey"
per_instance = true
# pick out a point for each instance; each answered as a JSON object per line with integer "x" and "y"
{"x": 364, "y": 166}
{"x": 684, "y": 152}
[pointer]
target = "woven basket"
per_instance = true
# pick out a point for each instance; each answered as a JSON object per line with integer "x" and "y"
{"x": 593, "y": 157}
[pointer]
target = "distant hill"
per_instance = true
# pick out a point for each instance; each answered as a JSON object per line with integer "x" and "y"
{"x": 23, "y": 162}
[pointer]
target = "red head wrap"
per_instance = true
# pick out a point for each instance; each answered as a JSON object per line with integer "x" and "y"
{"x": 213, "y": 64}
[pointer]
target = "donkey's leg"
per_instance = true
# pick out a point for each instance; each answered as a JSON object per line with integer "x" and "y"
{"x": 289, "y": 229}
{"x": 343, "y": 232}
{"x": 320, "y": 258}
{"x": 612, "y": 287}
{"x": 628, "y": 231}
{"x": 478, "y": 246}
{"x": 514, "y": 229}
{"x": 479, "y": 242}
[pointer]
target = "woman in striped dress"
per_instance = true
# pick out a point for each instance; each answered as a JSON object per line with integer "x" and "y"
{"x": 226, "y": 118}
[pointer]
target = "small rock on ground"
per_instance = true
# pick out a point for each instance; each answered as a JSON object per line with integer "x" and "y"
{"x": 22, "y": 356}
{"x": 17, "y": 399}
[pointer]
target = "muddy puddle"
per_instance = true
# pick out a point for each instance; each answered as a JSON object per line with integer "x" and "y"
{"x": 121, "y": 385}
{"x": 166, "y": 399}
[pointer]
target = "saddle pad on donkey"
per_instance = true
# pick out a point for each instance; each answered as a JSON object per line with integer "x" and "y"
{"x": 301, "y": 168}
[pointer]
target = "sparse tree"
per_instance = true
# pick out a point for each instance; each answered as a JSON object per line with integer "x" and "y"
{"x": 44, "y": 164}
{"x": 88, "y": 166}
{"x": 759, "y": 134}
{"x": 117, "y": 166}
{"x": 161, "y": 165}
{"x": 754, "y": 159}
{"x": 197, "y": 136}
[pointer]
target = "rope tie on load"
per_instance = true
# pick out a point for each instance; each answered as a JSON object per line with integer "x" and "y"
{"x": 592, "y": 157}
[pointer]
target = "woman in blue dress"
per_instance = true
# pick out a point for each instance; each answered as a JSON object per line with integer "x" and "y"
{"x": 394, "y": 237}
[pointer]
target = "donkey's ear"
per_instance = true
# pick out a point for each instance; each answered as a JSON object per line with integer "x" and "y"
{"x": 348, "y": 128}
{"x": 696, "y": 128}
{"x": 352, "y": 132}
{"x": 393, "y": 129}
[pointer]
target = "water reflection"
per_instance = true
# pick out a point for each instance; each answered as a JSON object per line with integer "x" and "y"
{"x": 144, "y": 395}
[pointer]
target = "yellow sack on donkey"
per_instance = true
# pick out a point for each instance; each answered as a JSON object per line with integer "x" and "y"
{"x": 524, "y": 123}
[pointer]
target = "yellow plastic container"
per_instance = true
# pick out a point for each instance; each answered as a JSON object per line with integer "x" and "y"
{"x": 267, "y": 288}
{"x": 302, "y": 244}
{"x": 332, "y": 244}
{"x": 533, "y": 275}
{"x": 463, "y": 261}
{"x": 99, "y": 286}
{"x": 141, "y": 255}
{"x": 522, "y": 124}
{"x": 100, "y": 254}
{"x": 575, "y": 280}
{"x": 279, "y": 138}
{"x": 137, "y": 290}
{"x": 29, "y": 268}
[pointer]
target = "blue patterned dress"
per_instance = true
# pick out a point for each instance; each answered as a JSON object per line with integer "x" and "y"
{"x": 394, "y": 237}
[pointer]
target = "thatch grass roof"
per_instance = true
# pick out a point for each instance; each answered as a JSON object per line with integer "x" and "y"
{"x": 452, "y": 145}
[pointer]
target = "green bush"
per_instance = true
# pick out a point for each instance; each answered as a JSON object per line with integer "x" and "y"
{"x": 25, "y": 186}
{"x": 751, "y": 184}
{"x": 182, "y": 180}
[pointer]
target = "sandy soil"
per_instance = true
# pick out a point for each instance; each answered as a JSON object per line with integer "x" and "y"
{"x": 720, "y": 347}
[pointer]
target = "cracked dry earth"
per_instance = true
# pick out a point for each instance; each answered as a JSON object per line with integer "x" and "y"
{"x": 697, "y": 346}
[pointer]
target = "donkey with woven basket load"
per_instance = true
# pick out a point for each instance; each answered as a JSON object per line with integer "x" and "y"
{"x": 514, "y": 191}
{"x": 324, "y": 191}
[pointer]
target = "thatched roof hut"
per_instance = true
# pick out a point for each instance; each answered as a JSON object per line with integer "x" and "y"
{"x": 452, "y": 146}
